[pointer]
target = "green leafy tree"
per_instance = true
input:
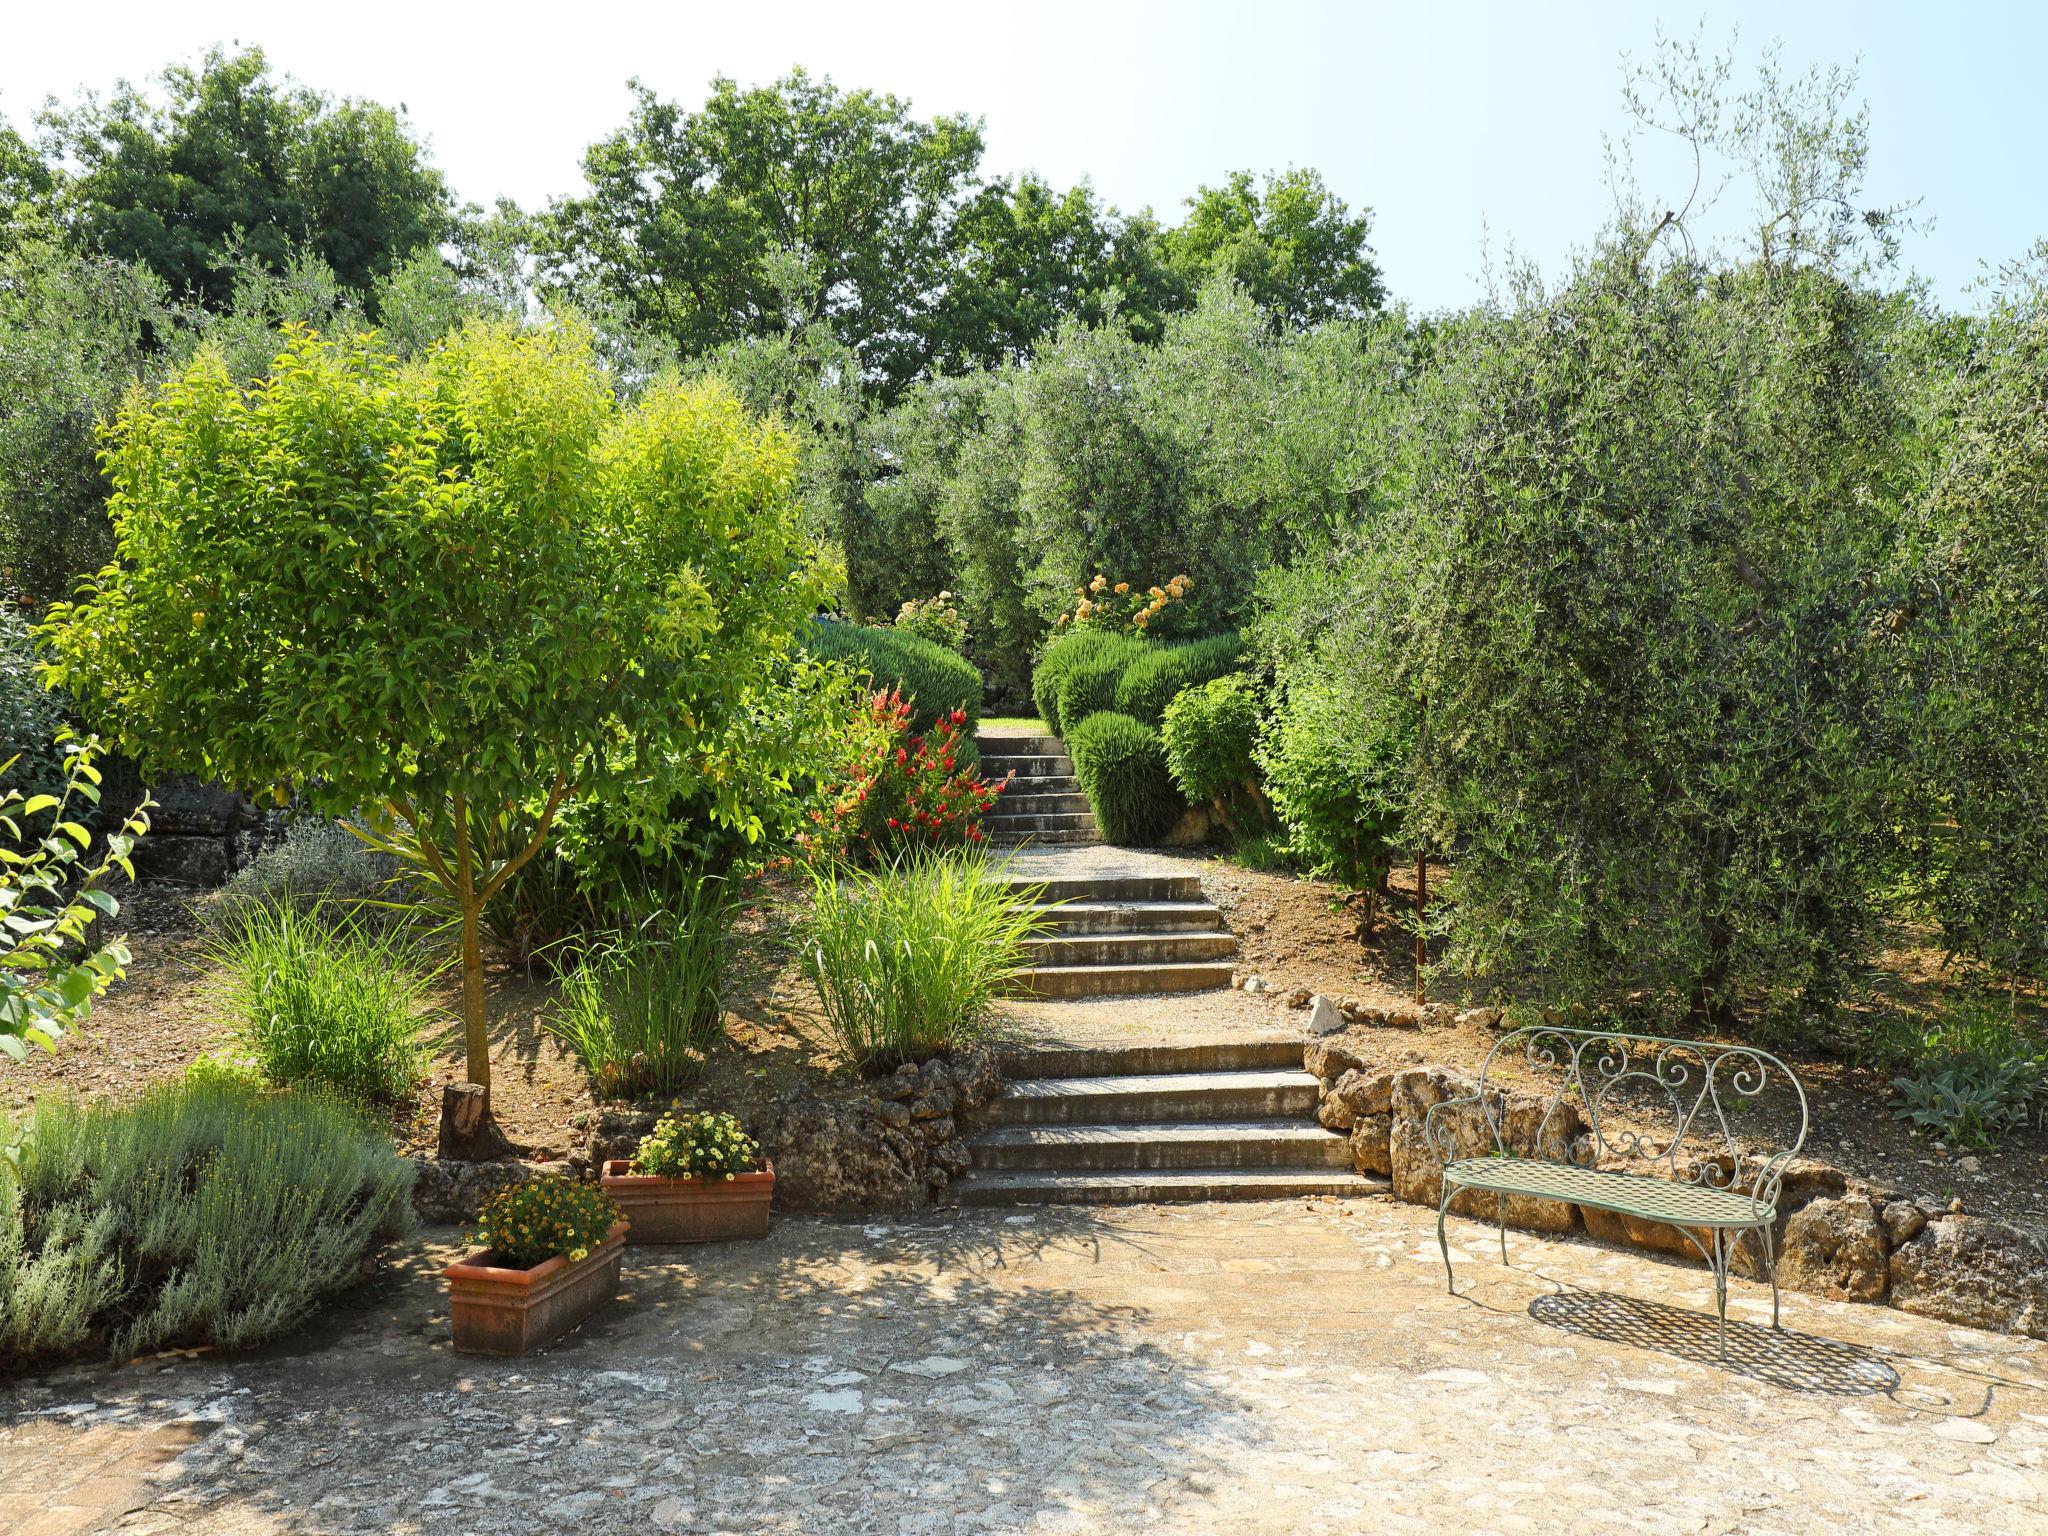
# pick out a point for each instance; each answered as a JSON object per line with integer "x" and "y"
{"x": 1287, "y": 240}
{"x": 446, "y": 595}
{"x": 231, "y": 157}
{"x": 26, "y": 182}
{"x": 685, "y": 211}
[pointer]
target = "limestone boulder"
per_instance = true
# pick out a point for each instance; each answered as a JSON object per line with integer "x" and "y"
{"x": 1364, "y": 1091}
{"x": 1530, "y": 1126}
{"x": 1835, "y": 1248}
{"x": 1329, "y": 1059}
{"x": 1370, "y": 1144}
{"x": 838, "y": 1155}
{"x": 1975, "y": 1271}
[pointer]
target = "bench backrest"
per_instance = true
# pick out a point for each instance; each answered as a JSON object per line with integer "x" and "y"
{"x": 1648, "y": 1104}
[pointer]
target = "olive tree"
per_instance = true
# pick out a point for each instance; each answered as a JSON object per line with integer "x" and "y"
{"x": 444, "y": 595}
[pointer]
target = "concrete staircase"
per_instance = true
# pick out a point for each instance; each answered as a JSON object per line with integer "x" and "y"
{"x": 1043, "y": 803}
{"x": 1120, "y": 935}
{"x": 1231, "y": 1120}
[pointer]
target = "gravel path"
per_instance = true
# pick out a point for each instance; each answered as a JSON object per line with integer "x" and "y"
{"x": 1288, "y": 1368}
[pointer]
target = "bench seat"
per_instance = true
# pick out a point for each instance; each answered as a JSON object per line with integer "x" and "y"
{"x": 1630, "y": 1194}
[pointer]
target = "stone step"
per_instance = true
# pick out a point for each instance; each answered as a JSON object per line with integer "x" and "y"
{"x": 1059, "y": 1187}
{"x": 1134, "y": 917}
{"x": 1018, "y": 824}
{"x": 1037, "y": 766}
{"x": 1270, "y": 1054}
{"x": 1213, "y": 1144}
{"x": 1038, "y": 802}
{"x": 1020, "y": 744}
{"x": 1039, "y": 784}
{"x": 1158, "y": 1098}
{"x": 1129, "y": 949}
{"x": 1077, "y": 836}
{"x": 1089, "y": 888}
{"x": 1125, "y": 980}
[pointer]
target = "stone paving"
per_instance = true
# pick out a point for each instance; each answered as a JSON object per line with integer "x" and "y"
{"x": 1263, "y": 1368}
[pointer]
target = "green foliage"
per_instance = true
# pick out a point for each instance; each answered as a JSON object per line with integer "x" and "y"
{"x": 936, "y": 619}
{"x": 318, "y": 861}
{"x": 934, "y": 679}
{"x": 1152, "y": 681}
{"x": 1091, "y": 662}
{"x": 31, "y": 716}
{"x": 907, "y": 959}
{"x": 1121, "y": 764}
{"x": 316, "y": 997}
{"x": 230, "y": 160}
{"x": 1209, "y": 733}
{"x": 1974, "y": 1077}
{"x": 51, "y": 893}
{"x": 895, "y": 788}
{"x": 642, "y": 1007}
{"x": 1340, "y": 791}
{"x": 545, "y": 1218}
{"x": 529, "y": 587}
{"x": 704, "y": 1145}
{"x": 208, "y": 1213}
{"x": 1292, "y": 244}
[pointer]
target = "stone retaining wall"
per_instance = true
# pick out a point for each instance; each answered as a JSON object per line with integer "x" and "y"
{"x": 1837, "y": 1236}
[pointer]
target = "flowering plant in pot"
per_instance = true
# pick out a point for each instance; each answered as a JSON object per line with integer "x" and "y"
{"x": 696, "y": 1178}
{"x": 545, "y": 1256}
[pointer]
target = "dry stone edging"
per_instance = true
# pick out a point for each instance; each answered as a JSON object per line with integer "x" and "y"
{"x": 1837, "y": 1237}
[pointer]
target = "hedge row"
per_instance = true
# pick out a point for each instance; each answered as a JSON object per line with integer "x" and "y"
{"x": 934, "y": 679}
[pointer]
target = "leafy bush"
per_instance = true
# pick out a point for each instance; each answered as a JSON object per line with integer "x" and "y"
{"x": 1977, "y": 1076}
{"x": 1118, "y": 608}
{"x": 1341, "y": 799}
{"x": 700, "y": 1146}
{"x": 641, "y": 1008}
{"x": 1151, "y": 682}
{"x": 206, "y": 1213}
{"x": 1100, "y": 653}
{"x": 907, "y": 959}
{"x": 31, "y": 715}
{"x": 318, "y": 861}
{"x": 545, "y": 1218}
{"x": 936, "y": 619}
{"x": 317, "y": 997}
{"x": 898, "y": 788}
{"x": 1209, "y": 734}
{"x": 936, "y": 681}
{"x": 1121, "y": 764}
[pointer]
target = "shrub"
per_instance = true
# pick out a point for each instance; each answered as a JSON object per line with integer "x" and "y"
{"x": 906, "y": 960}
{"x": 641, "y": 1009}
{"x": 1153, "y": 680}
{"x": 31, "y": 715}
{"x": 936, "y": 681}
{"x": 1121, "y": 608}
{"x": 316, "y": 998}
{"x": 545, "y": 1218}
{"x": 1121, "y": 764}
{"x": 1209, "y": 733}
{"x": 318, "y": 861}
{"x": 935, "y": 619}
{"x": 1976, "y": 1076}
{"x": 898, "y": 788}
{"x": 700, "y": 1146}
{"x": 206, "y": 1213}
{"x": 1342, "y": 802}
{"x": 1103, "y": 654}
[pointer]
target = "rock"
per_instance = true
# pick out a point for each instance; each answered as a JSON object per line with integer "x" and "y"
{"x": 1255, "y": 983}
{"x": 1323, "y": 1017}
{"x": 1969, "y": 1165}
{"x": 932, "y": 1104}
{"x": 1479, "y": 1018}
{"x": 1835, "y": 1248}
{"x": 977, "y": 1077}
{"x": 1333, "y": 1114}
{"x": 1903, "y": 1221}
{"x": 894, "y": 1115}
{"x": 837, "y": 1155}
{"x": 1370, "y": 1135}
{"x": 902, "y": 1083}
{"x": 1298, "y": 998}
{"x": 188, "y": 807}
{"x": 1366, "y": 1092}
{"x": 1330, "y": 1059}
{"x": 1530, "y": 1126}
{"x": 1439, "y": 1015}
{"x": 932, "y": 1132}
{"x": 468, "y": 1132}
{"x": 444, "y": 1191}
{"x": 183, "y": 860}
{"x": 1977, "y": 1272}
{"x": 1404, "y": 1018}
{"x": 953, "y": 1157}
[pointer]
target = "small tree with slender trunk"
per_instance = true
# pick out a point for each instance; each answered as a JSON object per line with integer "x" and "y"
{"x": 443, "y": 596}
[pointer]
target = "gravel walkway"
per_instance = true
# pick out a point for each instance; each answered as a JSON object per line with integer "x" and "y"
{"x": 1289, "y": 1368}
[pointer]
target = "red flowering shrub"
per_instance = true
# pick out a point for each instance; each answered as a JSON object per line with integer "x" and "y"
{"x": 897, "y": 788}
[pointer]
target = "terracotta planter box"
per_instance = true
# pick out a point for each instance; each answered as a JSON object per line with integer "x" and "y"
{"x": 665, "y": 1210}
{"x": 498, "y": 1311}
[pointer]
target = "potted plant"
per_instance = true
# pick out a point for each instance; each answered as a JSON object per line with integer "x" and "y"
{"x": 696, "y": 1179}
{"x": 546, "y": 1256}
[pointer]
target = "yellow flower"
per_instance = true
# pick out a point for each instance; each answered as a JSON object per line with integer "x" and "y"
{"x": 1122, "y": 587}
{"x": 1157, "y": 593}
{"x": 1098, "y": 583}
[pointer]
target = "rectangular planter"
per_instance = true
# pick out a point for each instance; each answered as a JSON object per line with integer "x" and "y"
{"x": 499, "y": 1311}
{"x": 665, "y": 1210}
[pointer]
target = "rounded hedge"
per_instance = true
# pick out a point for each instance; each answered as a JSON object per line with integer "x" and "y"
{"x": 1209, "y": 733}
{"x": 1121, "y": 764}
{"x": 1099, "y": 657}
{"x": 934, "y": 679}
{"x": 1151, "y": 681}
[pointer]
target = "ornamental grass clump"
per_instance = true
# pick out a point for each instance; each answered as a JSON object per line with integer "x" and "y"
{"x": 704, "y": 1145}
{"x": 548, "y": 1218}
{"x": 907, "y": 959}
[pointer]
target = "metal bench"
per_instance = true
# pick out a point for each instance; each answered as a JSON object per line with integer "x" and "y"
{"x": 1686, "y": 1170}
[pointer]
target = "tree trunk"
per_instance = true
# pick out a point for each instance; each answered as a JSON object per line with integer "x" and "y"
{"x": 476, "y": 1037}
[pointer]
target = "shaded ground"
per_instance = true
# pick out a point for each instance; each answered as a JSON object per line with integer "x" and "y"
{"x": 1289, "y": 1367}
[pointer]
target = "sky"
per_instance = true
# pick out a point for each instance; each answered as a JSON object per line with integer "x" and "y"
{"x": 1465, "y": 128}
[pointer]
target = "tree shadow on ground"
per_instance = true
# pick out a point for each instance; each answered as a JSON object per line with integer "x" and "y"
{"x": 1798, "y": 1362}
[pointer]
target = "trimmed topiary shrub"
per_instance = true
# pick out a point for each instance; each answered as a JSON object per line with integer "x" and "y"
{"x": 936, "y": 681}
{"x": 1121, "y": 764}
{"x": 1151, "y": 682}
{"x": 1209, "y": 733}
{"x": 1092, "y": 661}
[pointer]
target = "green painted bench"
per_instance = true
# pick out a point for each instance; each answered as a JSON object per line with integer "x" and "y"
{"x": 1684, "y": 1169}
